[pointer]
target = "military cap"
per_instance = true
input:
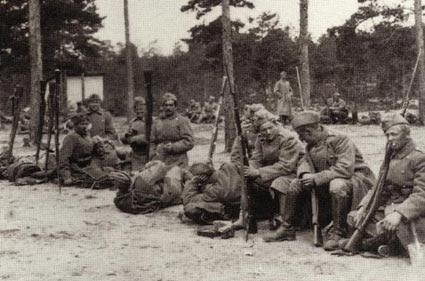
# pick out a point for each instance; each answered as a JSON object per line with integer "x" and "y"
{"x": 139, "y": 100}
{"x": 94, "y": 98}
{"x": 283, "y": 73}
{"x": 212, "y": 98}
{"x": 267, "y": 123}
{"x": 337, "y": 95}
{"x": 169, "y": 96}
{"x": 201, "y": 168}
{"x": 256, "y": 107}
{"x": 303, "y": 118}
{"x": 391, "y": 120}
{"x": 78, "y": 118}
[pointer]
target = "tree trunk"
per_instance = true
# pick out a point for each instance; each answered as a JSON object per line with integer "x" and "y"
{"x": 129, "y": 64}
{"x": 421, "y": 65}
{"x": 36, "y": 64}
{"x": 305, "y": 68}
{"x": 229, "y": 129}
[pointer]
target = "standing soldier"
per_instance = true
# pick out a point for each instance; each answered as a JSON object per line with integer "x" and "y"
{"x": 100, "y": 119}
{"x": 172, "y": 136}
{"x": 402, "y": 203}
{"x": 335, "y": 168}
{"x": 136, "y": 137}
{"x": 283, "y": 93}
{"x": 76, "y": 149}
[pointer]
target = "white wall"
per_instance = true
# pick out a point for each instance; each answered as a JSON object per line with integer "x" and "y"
{"x": 92, "y": 85}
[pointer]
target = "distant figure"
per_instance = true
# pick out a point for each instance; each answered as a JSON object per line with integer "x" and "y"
{"x": 100, "y": 119}
{"x": 81, "y": 108}
{"x": 283, "y": 92}
{"x": 210, "y": 107}
{"x": 338, "y": 111}
{"x": 194, "y": 111}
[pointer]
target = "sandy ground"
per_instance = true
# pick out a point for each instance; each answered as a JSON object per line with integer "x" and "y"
{"x": 80, "y": 235}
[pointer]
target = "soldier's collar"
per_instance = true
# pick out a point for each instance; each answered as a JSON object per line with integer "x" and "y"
{"x": 170, "y": 117}
{"x": 405, "y": 150}
{"x": 99, "y": 111}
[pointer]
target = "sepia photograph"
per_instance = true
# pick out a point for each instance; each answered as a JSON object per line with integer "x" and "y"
{"x": 200, "y": 140}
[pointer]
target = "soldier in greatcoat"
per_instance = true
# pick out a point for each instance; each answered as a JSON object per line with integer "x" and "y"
{"x": 283, "y": 92}
{"x": 136, "y": 136}
{"x": 172, "y": 135}
{"x": 402, "y": 204}
{"x": 100, "y": 119}
{"x": 335, "y": 168}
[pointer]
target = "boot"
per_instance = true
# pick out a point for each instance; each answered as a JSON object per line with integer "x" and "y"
{"x": 340, "y": 207}
{"x": 285, "y": 231}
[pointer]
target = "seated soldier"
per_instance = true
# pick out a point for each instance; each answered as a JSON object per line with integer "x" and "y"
{"x": 157, "y": 186}
{"x": 210, "y": 107}
{"x": 338, "y": 111}
{"x": 194, "y": 111}
{"x": 335, "y": 168}
{"x": 212, "y": 194}
{"x": 76, "y": 149}
{"x": 100, "y": 119}
{"x": 402, "y": 203}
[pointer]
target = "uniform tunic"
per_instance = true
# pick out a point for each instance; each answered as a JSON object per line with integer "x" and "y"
{"x": 404, "y": 192}
{"x": 283, "y": 91}
{"x": 101, "y": 122}
{"x": 175, "y": 130}
{"x": 75, "y": 150}
{"x": 137, "y": 141}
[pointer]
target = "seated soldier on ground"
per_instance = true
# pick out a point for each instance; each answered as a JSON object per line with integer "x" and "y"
{"x": 210, "y": 107}
{"x": 402, "y": 203}
{"x": 194, "y": 111}
{"x": 212, "y": 194}
{"x": 157, "y": 186}
{"x": 338, "y": 110}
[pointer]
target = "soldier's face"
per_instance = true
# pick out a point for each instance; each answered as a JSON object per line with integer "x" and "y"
{"x": 94, "y": 105}
{"x": 396, "y": 136}
{"x": 169, "y": 107}
{"x": 307, "y": 134}
{"x": 268, "y": 131}
{"x": 82, "y": 128}
{"x": 140, "y": 110}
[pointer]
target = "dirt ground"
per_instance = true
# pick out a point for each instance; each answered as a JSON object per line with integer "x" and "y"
{"x": 80, "y": 235}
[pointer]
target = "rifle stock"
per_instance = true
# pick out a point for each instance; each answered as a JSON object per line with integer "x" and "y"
{"x": 353, "y": 243}
{"x": 40, "y": 126}
{"x": 406, "y": 98}
{"x": 246, "y": 207}
{"x": 214, "y": 134}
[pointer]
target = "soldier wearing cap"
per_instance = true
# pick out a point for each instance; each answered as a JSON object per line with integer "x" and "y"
{"x": 210, "y": 107}
{"x": 172, "y": 136}
{"x": 403, "y": 197}
{"x": 136, "y": 136}
{"x": 335, "y": 168}
{"x": 283, "y": 92}
{"x": 76, "y": 148}
{"x": 194, "y": 111}
{"x": 338, "y": 110}
{"x": 100, "y": 120}
{"x": 273, "y": 167}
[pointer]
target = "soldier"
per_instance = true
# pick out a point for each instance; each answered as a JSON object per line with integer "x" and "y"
{"x": 136, "y": 137}
{"x": 272, "y": 167}
{"x": 335, "y": 168}
{"x": 338, "y": 110}
{"x": 210, "y": 107}
{"x": 194, "y": 111}
{"x": 403, "y": 197}
{"x": 212, "y": 194}
{"x": 172, "y": 136}
{"x": 100, "y": 120}
{"x": 283, "y": 92}
{"x": 81, "y": 108}
{"x": 76, "y": 149}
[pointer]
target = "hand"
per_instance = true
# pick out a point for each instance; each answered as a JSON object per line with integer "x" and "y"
{"x": 307, "y": 180}
{"x": 359, "y": 214}
{"x": 167, "y": 147}
{"x": 389, "y": 223}
{"x": 250, "y": 171}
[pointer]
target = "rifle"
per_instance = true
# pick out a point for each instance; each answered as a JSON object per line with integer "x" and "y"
{"x": 149, "y": 109}
{"x": 56, "y": 109}
{"x": 50, "y": 113}
{"x": 317, "y": 232}
{"x": 300, "y": 88}
{"x": 246, "y": 206}
{"x": 16, "y": 111}
{"x": 372, "y": 205}
{"x": 405, "y": 103}
{"x": 217, "y": 120}
{"x": 43, "y": 85}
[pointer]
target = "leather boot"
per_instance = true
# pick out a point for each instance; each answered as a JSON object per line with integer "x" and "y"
{"x": 340, "y": 208}
{"x": 285, "y": 231}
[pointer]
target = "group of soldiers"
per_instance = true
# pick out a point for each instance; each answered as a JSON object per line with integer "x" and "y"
{"x": 198, "y": 114}
{"x": 287, "y": 163}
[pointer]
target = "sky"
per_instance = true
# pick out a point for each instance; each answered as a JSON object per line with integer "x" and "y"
{"x": 163, "y": 22}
